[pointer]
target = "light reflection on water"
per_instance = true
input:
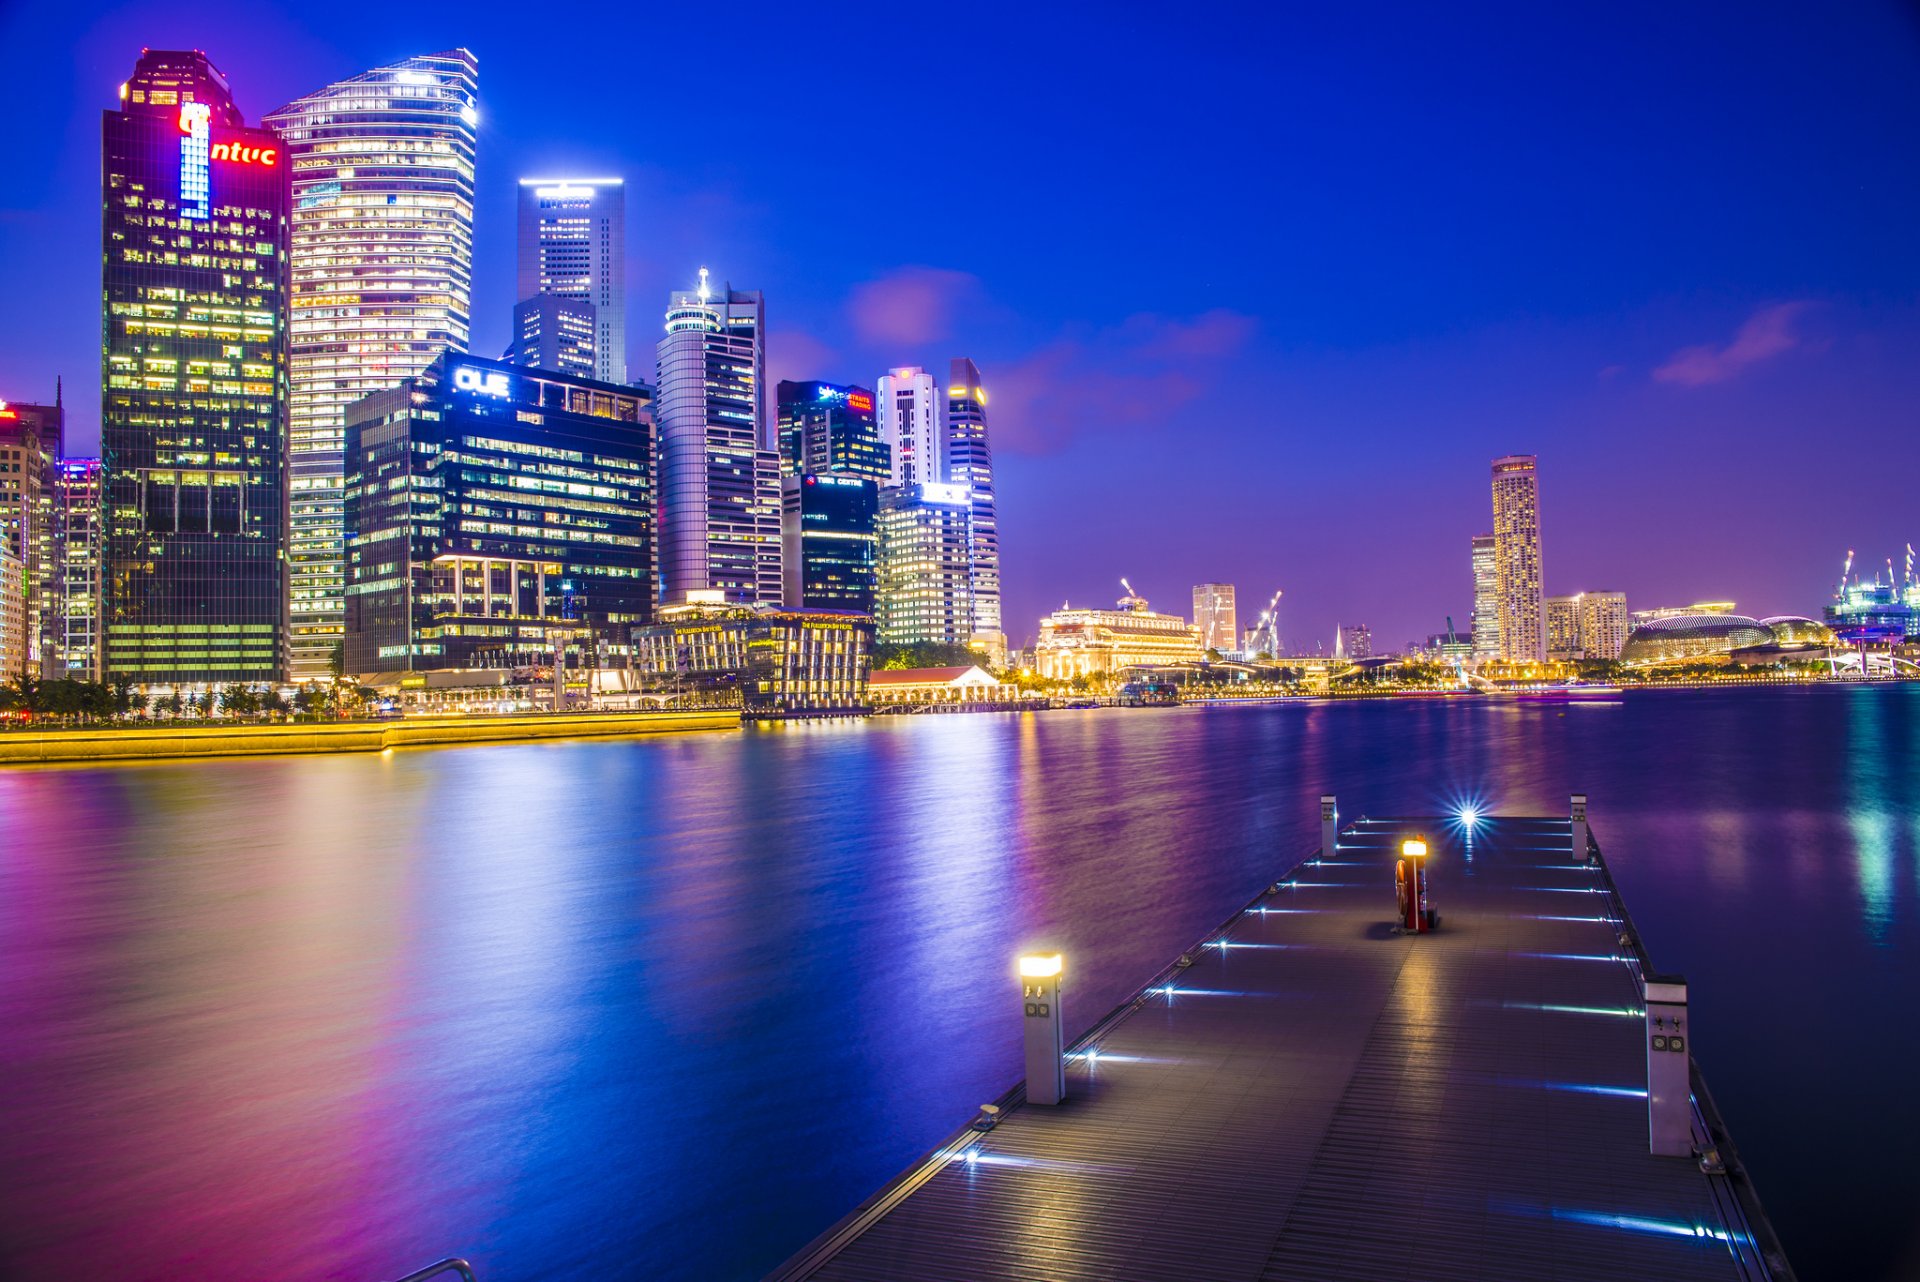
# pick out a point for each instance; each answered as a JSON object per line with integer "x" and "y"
{"x": 669, "y": 1008}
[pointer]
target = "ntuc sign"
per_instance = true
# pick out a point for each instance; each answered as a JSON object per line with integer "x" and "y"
{"x": 268, "y": 156}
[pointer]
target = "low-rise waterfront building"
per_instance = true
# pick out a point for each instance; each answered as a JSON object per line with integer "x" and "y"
{"x": 1638, "y": 617}
{"x": 967, "y": 684}
{"x": 1693, "y": 638}
{"x": 1084, "y": 643}
{"x": 772, "y": 661}
{"x": 496, "y": 514}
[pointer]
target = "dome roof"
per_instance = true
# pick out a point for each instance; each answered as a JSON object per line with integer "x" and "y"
{"x": 1795, "y": 629}
{"x": 1687, "y": 636}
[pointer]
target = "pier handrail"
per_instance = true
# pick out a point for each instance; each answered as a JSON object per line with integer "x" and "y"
{"x": 452, "y": 1264}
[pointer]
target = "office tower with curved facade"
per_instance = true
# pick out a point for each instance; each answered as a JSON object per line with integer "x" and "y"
{"x": 382, "y": 166}
{"x": 718, "y": 469}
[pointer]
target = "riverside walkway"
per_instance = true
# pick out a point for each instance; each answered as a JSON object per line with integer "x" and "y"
{"x": 1316, "y": 1096}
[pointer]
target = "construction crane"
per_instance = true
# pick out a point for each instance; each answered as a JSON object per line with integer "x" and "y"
{"x": 1841, "y": 591}
{"x": 1270, "y": 624}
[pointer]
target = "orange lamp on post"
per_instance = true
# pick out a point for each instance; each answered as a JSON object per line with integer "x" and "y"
{"x": 1410, "y": 886}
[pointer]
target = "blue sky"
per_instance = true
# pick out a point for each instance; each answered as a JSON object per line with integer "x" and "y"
{"x": 1258, "y": 293}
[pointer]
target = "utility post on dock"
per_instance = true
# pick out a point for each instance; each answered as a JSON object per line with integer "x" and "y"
{"x": 1579, "y": 846}
{"x": 1669, "y": 1085}
{"x": 1329, "y": 826}
{"x": 1040, "y": 1015}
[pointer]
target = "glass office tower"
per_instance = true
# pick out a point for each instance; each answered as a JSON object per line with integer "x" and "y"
{"x": 969, "y": 464}
{"x": 382, "y": 244}
{"x": 194, "y": 273}
{"x": 827, "y": 428}
{"x": 573, "y": 245}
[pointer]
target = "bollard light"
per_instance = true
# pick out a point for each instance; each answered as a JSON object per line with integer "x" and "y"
{"x": 1040, "y": 1016}
{"x": 1410, "y": 886}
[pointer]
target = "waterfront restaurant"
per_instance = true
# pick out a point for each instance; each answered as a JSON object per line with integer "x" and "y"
{"x": 962, "y": 685}
{"x": 783, "y": 663}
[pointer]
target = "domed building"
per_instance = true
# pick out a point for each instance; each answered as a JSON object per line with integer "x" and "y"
{"x": 1794, "y": 629}
{"x": 1693, "y": 637}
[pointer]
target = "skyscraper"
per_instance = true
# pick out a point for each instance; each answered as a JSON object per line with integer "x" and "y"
{"x": 969, "y": 465}
{"x": 1516, "y": 551}
{"x": 1486, "y": 600}
{"x": 491, "y": 509}
{"x": 382, "y": 168}
{"x": 573, "y": 244}
{"x": 911, "y": 425}
{"x": 1563, "y": 628}
{"x": 554, "y": 333}
{"x": 830, "y": 547}
{"x": 925, "y": 569}
{"x": 828, "y": 429}
{"x": 74, "y": 594}
{"x": 31, "y": 439}
{"x": 719, "y": 472}
{"x": 194, "y": 278}
{"x": 1213, "y": 614}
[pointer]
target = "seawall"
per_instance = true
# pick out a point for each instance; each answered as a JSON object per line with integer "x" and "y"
{"x": 31, "y": 747}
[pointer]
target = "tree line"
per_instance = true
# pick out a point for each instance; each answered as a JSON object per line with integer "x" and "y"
{"x": 77, "y": 701}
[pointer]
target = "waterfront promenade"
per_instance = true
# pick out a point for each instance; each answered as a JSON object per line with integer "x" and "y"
{"x": 222, "y": 739}
{"x": 1318, "y": 1096}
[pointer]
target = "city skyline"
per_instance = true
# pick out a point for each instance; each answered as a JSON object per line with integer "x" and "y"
{"x": 1631, "y": 363}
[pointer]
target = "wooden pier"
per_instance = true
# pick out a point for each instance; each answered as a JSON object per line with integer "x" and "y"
{"x": 1315, "y": 1095}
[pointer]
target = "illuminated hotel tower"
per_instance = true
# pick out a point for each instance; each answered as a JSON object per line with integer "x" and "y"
{"x": 718, "y": 470}
{"x": 382, "y": 169}
{"x": 193, "y": 406}
{"x": 1516, "y": 554}
{"x": 573, "y": 245}
{"x": 969, "y": 465}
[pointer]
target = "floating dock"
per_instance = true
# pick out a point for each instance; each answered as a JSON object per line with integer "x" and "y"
{"x": 1311, "y": 1093}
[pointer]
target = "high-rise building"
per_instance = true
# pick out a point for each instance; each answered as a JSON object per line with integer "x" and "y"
{"x": 1486, "y": 600}
{"x": 194, "y": 280}
{"x": 74, "y": 595}
{"x": 830, "y": 546}
{"x": 30, "y": 444}
{"x": 573, "y": 245}
{"x": 382, "y": 167}
{"x": 926, "y": 571}
{"x": 1603, "y": 624}
{"x": 492, "y": 513}
{"x": 910, "y": 423}
{"x": 719, "y": 471}
{"x": 553, "y": 333}
{"x": 1563, "y": 628}
{"x": 1213, "y": 614}
{"x": 827, "y": 429}
{"x": 13, "y": 615}
{"x": 968, "y": 459}
{"x": 1354, "y": 640}
{"x": 1516, "y": 538}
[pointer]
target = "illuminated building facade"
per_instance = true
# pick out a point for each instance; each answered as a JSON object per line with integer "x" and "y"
{"x": 1353, "y": 641}
{"x": 1876, "y": 613}
{"x": 494, "y": 512}
{"x": 13, "y": 615}
{"x": 969, "y": 465}
{"x": 777, "y": 662}
{"x": 910, "y": 407}
{"x": 30, "y": 445}
{"x": 1638, "y": 617}
{"x": 74, "y": 604}
{"x": 719, "y": 471}
{"x": 926, "y": 569}
{"x": 828, "y": 429}
{"x": 1486, "y": 599}
{"x": 1214, "y": 615}
{"x": 194, "y": 280}
{"x": 1516, "y": 541}
{"x": 382, "y": 168}
{"x": 1563, "y": 628}
{"x": 1084, "y": 643}
{"x": 553, "y": 333}
{"x": 573, "y": 245}
{"x": 1693, "y": 638}
{"x": 1603, "y": 624}
{"x": 830, "y": 546}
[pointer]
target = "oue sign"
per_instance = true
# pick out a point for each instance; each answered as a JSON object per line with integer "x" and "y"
{"x": 485, "y": 382}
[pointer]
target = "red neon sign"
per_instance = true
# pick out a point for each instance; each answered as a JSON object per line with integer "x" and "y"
{"x": 860, "y": 401}
{"x": 246, "y": 155}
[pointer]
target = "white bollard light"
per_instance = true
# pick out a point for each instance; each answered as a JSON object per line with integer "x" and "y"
{"x": 1329, "y": 827}
{"x": 1040, "y": 1014}
{"x": 1669, "y": 1086}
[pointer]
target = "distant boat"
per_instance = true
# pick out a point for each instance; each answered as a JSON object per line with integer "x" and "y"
{"x": 1570, "y": 692}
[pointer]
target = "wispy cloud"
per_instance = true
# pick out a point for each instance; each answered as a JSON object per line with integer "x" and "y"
{"x": 1766, "y": 334}
{"x": 912, "y": 305}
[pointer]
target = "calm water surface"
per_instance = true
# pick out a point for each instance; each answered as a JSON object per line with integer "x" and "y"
{"x": 668, "y": 1008}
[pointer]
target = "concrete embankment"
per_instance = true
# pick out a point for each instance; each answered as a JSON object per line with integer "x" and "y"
{"x": 32, "y": 747}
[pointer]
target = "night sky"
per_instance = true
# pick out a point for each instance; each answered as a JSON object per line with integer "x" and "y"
{"x": 1257, "y": 298}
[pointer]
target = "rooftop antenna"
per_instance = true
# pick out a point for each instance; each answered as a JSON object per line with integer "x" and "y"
{"x": 705, "y": 291}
